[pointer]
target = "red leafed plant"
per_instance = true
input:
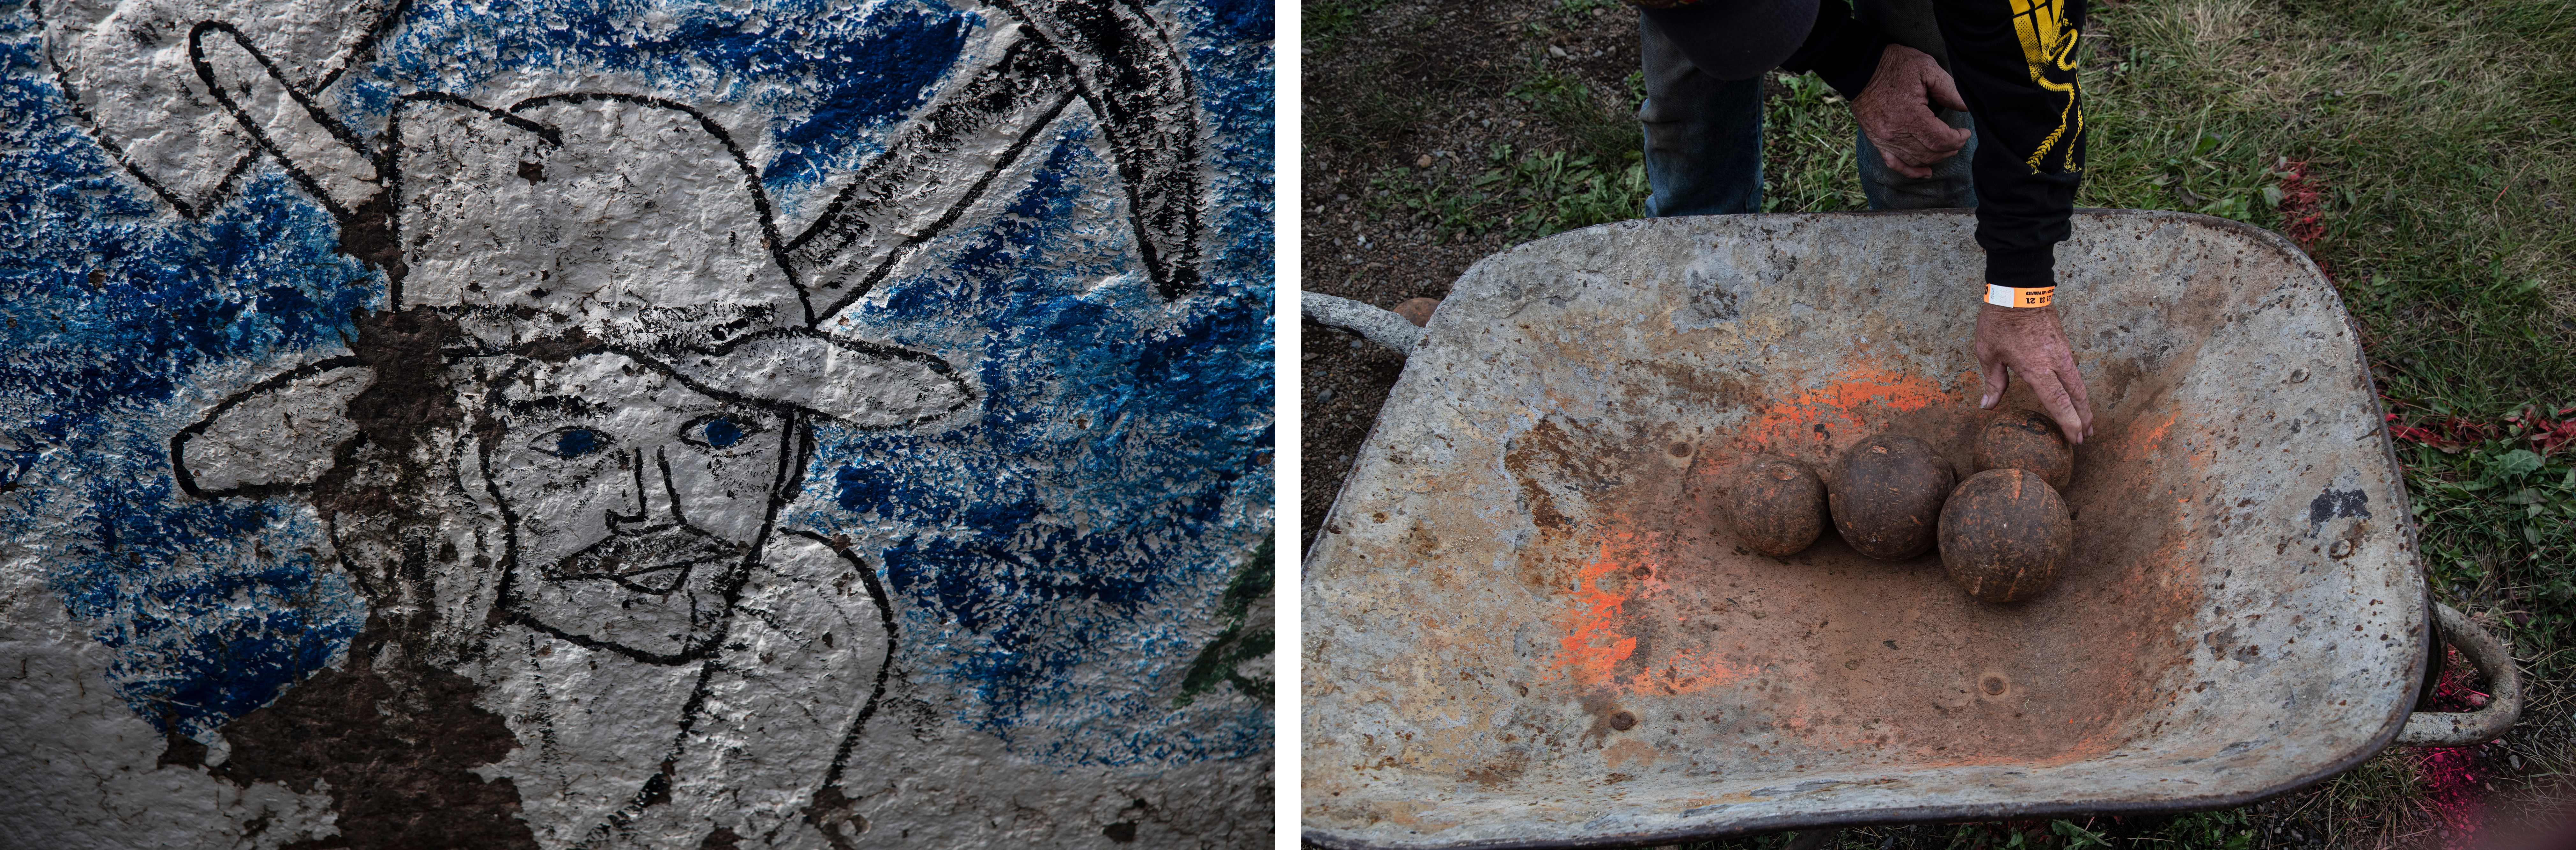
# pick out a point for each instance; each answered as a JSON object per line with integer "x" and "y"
{"x": 2548, "y": 431}
{"x": 2300, "y": 198}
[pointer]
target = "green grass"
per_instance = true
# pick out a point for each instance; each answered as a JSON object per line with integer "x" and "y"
{"x": 2445, "y": 135}
{"x": 1807, "y": 163}
{"x": 1524, "y": 195}
{"x": 2446, "y": 248}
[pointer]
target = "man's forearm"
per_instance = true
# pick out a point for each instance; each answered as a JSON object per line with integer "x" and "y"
{"x": 2015, "y": 61}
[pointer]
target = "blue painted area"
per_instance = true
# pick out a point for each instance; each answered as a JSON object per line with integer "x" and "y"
{"x": 1243, "y": 21}
{"x": 830, "y": 74}
{"x": 1055, "y": 555}
{"x": 722, "y": 433}
{"x": 1060, "y": 539}
{"x": 211, "y": 608}
{"x": 575, "y": 442}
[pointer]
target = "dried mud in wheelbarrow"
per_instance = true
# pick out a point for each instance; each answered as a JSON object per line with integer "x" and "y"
{"x": 1526, "y": 624}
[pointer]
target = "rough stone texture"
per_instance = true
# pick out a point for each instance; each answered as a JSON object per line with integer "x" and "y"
{"x": 1778, "y": 505}
{"x": 1418, "y": 310}
{"x": 1886, "y": 495}
{"x": 2026, "y": 439}
{"x": 2005, "y": 535}
{"x": 784, "y": 424}
{"x": 1524, "y": 622}
{"x": 1387, "y": 328}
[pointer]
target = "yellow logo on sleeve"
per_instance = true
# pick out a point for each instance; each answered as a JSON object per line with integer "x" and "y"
{"x": 2048, "y": 47}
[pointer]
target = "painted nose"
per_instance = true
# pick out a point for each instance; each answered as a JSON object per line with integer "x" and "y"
{"x": 656, "y": 501}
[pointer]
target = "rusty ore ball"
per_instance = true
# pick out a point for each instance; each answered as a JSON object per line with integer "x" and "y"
{"x": 2004, "y": 534}
{"x": 1886, "y": 495}
{"x": 2027, "y": 439}
{"x": 1418, "y": 310}
{"x": 1779, "y": 505}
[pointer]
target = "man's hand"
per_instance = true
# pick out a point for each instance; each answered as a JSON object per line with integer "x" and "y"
{"x": 2029, "y": 342}
{"x": 1895, "y": 111}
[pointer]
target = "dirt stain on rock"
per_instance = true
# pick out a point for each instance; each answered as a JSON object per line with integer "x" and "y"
{"x": 396, "y": 743}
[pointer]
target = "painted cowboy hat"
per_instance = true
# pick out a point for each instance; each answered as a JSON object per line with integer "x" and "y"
{"x": 613, "y": 222}
{"x": 562, "y": 227}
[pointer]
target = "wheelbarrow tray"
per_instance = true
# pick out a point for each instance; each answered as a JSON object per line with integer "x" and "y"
{"x": 1527, "y": 624}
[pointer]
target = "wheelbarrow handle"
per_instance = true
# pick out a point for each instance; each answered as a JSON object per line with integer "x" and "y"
{"x": 1383, "y": 327}
{"x": 2495, "y": 665}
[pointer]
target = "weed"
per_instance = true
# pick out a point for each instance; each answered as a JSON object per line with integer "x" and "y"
{"x": 1807, "y": 149}
{"x": 1363, "y": 114}
{"x": 1604, "y": 126}
{"x": 1523, "y": 197}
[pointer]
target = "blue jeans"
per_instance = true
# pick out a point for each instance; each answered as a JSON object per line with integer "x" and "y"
{"x": 1704, "y": 135}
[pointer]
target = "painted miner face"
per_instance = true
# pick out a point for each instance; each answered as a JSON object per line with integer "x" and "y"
{"x": 634, "y": 503}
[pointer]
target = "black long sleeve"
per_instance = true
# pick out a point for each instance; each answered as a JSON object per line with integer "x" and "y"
{"x": 1841, "y": 50}
{"x": 2015, "y": 63}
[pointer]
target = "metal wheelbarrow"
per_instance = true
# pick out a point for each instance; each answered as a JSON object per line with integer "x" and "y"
{"x": 1526, "y": 624}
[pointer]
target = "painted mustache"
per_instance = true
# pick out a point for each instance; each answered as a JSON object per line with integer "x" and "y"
{"x": 654, "y": 560}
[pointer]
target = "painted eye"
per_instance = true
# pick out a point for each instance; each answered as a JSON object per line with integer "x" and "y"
{"x": 570, "y": 442}
{"x": 719, "y": 430}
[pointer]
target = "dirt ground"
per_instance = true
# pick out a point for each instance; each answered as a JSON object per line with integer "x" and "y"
{"x": 1415, "y": 80}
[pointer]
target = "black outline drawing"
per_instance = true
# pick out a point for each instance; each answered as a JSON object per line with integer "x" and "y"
{"x": 1113, "y": 56}
{"x": 222, "y": 191}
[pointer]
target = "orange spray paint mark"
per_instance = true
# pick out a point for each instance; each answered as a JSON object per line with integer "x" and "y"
{"x": 1820, "y": 419}
{"x": 1593, "y": 645}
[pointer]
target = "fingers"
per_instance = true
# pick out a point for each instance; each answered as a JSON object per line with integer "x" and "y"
{"x": 1998, "y": 378}
{"x": 2060, "y": 406}
{"x": 1922, "y": 146}
{"x": 1940, "y": 89}
{"x": 2073, "y": 381}
{"x": 1897, "y": 165}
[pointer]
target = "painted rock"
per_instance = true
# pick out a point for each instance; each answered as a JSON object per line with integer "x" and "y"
{"x": 2004, "y": 534}
{"x": 2027, "y": 439}
{"x": 1779, "y": 505}
{"x": 1886, "y": 495}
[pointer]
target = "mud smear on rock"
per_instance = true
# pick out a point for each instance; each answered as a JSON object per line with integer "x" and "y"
{"x": 396, "y": 742}
{"x": 368, "y": 236}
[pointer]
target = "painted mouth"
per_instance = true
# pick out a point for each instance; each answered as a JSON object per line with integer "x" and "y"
{"x": 654, "y": 560}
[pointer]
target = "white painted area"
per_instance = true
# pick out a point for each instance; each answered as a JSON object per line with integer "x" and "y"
{"x": 638, "y": 226}
{"x": 819, "y": 374}
{"x": 284, "y": 436}
{"x": 127, "y": 64}
{"x": 80, "y": 770}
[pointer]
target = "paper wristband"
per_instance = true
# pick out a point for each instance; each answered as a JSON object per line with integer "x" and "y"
{"x": 2010, "y": 296}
